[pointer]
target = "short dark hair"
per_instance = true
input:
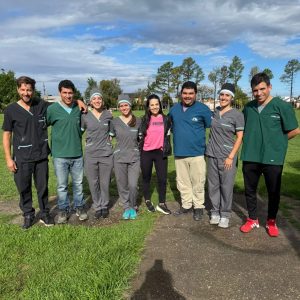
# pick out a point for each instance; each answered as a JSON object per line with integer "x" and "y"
{"x": 68, "y": 84}
{"x": 25, "y": 80}
{"x": 189, "y": 85}
{"x": 259, "y": 78}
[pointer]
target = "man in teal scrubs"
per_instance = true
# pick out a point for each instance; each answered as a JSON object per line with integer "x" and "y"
{"x": 269, "y": 124}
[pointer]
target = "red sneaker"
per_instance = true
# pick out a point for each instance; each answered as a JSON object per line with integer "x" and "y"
{"x": 249, "y": 225}
{"x": 272, "y": 228}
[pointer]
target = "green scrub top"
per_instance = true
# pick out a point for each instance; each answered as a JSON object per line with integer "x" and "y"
{"x": 265, "y": 136}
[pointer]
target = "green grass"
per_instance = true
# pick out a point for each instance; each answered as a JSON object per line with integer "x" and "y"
{"x": 77, "y": 262}
{"x": 68, "y": 262}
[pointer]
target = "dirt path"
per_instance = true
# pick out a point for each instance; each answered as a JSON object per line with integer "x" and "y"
{"x": 11, "y": 208}
{"x": 184, "y": 259}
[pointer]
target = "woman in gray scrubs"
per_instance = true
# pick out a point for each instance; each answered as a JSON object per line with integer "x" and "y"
{"x": 125, "y": 129}
{"x": 98, "y": 159}
{"x": 221, "y": 152}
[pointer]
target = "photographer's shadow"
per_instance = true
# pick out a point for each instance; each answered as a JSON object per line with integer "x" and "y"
{"x": 158, "y": 285}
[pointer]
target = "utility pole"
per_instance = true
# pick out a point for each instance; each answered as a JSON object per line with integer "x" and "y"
{"x": 44, "y": 89}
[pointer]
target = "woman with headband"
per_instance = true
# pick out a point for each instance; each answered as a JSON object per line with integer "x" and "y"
{"x": 125, "y": 129}
{"x": 98, "y": 159}
{"x": 221, "y": 153}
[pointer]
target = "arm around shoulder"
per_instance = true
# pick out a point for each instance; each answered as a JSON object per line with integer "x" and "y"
{"x": 291, "y": 134}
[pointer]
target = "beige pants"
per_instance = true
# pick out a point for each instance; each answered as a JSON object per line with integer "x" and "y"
{"x": 190, "y": 177}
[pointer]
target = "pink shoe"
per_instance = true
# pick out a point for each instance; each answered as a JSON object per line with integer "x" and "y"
{"x": 272, "y": 228}
{"x": 249, "y": 225}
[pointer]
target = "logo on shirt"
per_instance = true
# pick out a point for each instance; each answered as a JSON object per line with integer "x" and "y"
{"x": 194, "y": 119}
{"x": 157, "y": 123}
{"x": 275, "y": 116}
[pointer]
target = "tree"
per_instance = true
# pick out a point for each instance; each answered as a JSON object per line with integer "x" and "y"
{"x": 235, "y": 70}
{"x": 8, "y": 89}
{"x": 92, "y": 85}
{"x": 269, "y": 73}
{"x": 214, "y": 77}
{"x": 188, "y": 68}
{"x": 164, "y": 77}
{"x": 77, "y": 94}
{"x": 290, "y": 71}
{"x": 110, "y": 89}
{"x": 224, "y": 73}
{"x": 205, "y": 91}
{"x": 198, "y": 75}
{"x": 254, "y": 70}
{"x": 240, "y": 98}
{"x": 176, "y": 79}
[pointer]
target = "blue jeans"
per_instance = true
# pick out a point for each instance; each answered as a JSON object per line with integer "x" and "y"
{"x": 63, "y": 167}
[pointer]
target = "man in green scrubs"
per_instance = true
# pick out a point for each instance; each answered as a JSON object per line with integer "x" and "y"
{"x": 269, "y": 124}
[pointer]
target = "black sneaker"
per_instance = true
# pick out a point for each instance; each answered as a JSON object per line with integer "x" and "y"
{"x": 198, "y": 214}
{"x": 28, "y": 221}
{"x": 105, "y": 213}
{"x": 182, "y": 211}
{"x": 162, "y": 207}
{"x": 150, "y": 206}
{"x": 47, "y": 220}
{"x": 98, "y": 214}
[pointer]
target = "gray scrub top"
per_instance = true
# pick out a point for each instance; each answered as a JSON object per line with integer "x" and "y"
{"x": 97, "y": 134}
{"x": 222, "y": 132}
{"x": 126, "y": 149}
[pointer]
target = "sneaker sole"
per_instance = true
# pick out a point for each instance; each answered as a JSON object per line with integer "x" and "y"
{"x": 162, "y": 211}
{"x": 62, "y": 222}
{"x": 214, "y": 222}
{"x": 223, "y": 226}
{"x": 47, "y": 225}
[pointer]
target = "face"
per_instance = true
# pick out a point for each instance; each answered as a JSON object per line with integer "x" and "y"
{"x": 225, "y": 99}
{"x": 188, "y": 96}
{"x": 66, "y": 95}
{"x": 25, "y": 92}
{"x": 125, "y": 109}
{"x": 261, "y": 92}
{"x": 97, "y": 102}
{"x": 154, "y": 107}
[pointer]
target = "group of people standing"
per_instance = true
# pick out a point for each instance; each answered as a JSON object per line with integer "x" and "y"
{"x": 264, "y": 128}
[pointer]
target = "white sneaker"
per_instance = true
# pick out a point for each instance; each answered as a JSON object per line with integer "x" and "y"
{"x": 214, "y": 220}
{"x": 224, "y": 222}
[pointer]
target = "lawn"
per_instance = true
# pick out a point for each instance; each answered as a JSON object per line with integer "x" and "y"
{"x": 79, "y": 262}
{"x": 67, "y": 262}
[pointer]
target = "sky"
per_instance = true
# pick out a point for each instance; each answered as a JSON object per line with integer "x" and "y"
{"x": 129, "y": 40}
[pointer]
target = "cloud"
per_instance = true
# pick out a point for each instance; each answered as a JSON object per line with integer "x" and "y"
{"x": 79, "y": 38}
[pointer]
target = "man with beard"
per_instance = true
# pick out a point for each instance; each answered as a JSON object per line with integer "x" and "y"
{"x": 189, "y": 119}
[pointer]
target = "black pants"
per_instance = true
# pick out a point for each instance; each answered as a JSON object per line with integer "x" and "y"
{"x": 23, "y": 179}
{"x": 161, "y": 168}
{"x": 272, "y": 174}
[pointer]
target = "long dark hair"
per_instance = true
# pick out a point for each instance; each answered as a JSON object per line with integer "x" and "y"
{"x": 147, "y": 115}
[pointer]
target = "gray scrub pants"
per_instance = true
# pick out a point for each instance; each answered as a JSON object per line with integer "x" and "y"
{"x": 98, "y": 172}
{"x": 220, "y": 186}
{"x": 127, "y": 175}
